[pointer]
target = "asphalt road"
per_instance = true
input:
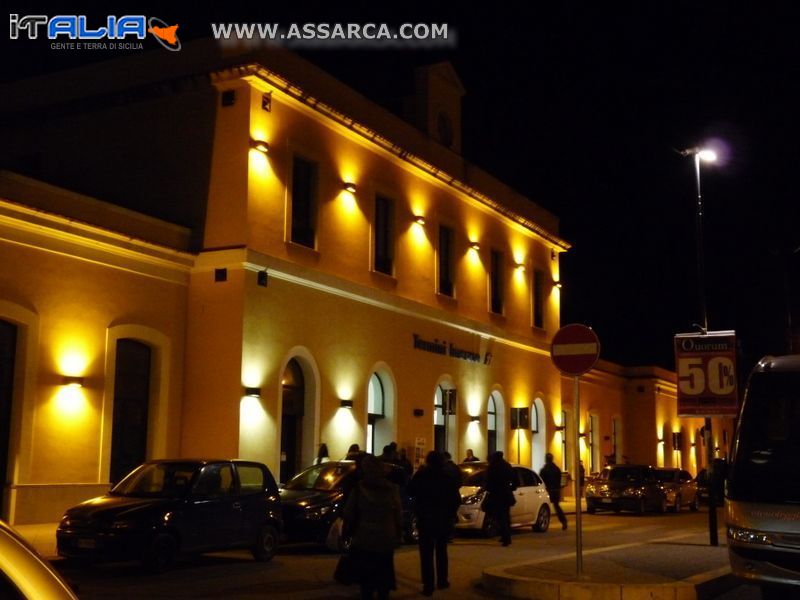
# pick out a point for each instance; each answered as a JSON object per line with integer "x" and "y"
{"x": 304, "y": 572}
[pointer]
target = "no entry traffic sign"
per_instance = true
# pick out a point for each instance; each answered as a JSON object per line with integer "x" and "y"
{"x": 575, "y": 349}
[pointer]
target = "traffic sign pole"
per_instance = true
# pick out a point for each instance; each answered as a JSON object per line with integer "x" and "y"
{"x": 577, "y": 471}
{"x": 574, "y": 351}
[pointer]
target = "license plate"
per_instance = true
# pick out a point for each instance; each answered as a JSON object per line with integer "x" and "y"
{"x": 606, "y": 500}
{"x": 85, "y": 543}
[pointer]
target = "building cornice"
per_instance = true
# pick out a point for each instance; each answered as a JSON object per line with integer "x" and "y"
{"x": 372, "y": 136}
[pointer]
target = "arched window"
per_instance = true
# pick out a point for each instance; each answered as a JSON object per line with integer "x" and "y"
{"x": 538, "y": 434}
{"x": 491, "y": 426}
{"x": 376, "y": 412}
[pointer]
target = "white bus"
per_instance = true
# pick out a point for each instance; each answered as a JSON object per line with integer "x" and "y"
{"x": 762, "y": 490}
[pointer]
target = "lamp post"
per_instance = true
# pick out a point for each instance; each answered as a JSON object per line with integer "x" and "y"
{"x": 704, "y": 155}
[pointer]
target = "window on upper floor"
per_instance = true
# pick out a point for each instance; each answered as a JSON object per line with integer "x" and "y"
{"x": 496, "y": 282}
{"x": 383, "y": 235}
{"x": 304, "y": 202}
{"x": 537, "y": 298}
{"x": 446, "y": 270}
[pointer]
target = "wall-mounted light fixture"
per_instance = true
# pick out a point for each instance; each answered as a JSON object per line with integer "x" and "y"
{"x": 474, "y": 419}
{"x": 475, "y": 246}
{"x": 71, "y": 381}
{"x": 694, "y": 444}
{"x": 255, "y": 392}
{"x": 561, "y": 428}
{"x": 346, "y": 403}
{"x": 419, "y": 219}
{"x": 349, "y": 186}
{"x": 418, "y": 412}
{"x": 260, "y": 145}
{"x": 557, "y": 283}
{"x": 553, "y": 255}
{"x": 582, "y": 434}
{"x": 520, "y": 267}
{"x": 660, "y": 440}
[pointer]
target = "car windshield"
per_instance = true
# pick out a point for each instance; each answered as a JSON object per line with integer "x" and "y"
{"x": 325, "y": 477}
{"x": 622, "y": 474}
{"x": 666, "y": 476}
{"x": 765, "y": 466}
{"x": 473, "y": 476}
{"x": 158, "y": 480}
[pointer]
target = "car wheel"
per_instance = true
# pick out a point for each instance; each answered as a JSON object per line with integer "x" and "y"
{"x": 695, "y": 505}
{"x": 161, "y": 553}
{"x": 489, "y": 526}
{"x": 542, "y": 523}
{"x": 266, "y": 544}
{"x": 677, "y": 506}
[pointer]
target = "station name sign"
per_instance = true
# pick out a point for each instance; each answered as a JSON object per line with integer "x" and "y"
{"x": 446, "y": 348}
{"x": 706, "y": 366}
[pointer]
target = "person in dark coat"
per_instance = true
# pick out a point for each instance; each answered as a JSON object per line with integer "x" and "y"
{"x": 501, "y": 481}
{"x": 373, "y": 519}
{"x": 470, "y": 456}
{"x": 436, "y": 501}
{"x": 551, "y": 475}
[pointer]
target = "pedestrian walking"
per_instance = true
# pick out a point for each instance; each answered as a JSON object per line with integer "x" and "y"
{"x": 501, "y": 481}
{"x": 436, "y": 500}
{"x": 322, "y": 455}
{"x": 373, "y": 520}
{"x": 470, "y": 456}
{"x": 551, "y": 475}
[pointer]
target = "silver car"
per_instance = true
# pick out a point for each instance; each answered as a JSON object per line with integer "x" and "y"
{"x": 532, "y": 506}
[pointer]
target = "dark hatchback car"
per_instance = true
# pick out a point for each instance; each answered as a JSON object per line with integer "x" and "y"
{"x": 627, "y": 487}
{"x": 313, "y": 500}
{"x": 167, "y": 507}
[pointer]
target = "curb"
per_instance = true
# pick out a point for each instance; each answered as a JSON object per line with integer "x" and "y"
{"x": 700, "y": 587}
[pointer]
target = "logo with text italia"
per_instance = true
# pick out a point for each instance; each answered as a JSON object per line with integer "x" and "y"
{"x": 79, "y": 28}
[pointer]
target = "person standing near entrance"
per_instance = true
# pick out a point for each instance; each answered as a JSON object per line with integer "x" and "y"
{"x": 436, "y": 501}
{"x": 551, "y": 475}
{"x": 501, "y": 481}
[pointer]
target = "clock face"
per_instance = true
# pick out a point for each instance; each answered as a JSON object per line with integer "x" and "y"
{"x": 444, "y": 129}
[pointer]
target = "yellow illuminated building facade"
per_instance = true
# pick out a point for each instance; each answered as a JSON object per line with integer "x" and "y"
{"x": 338, "y": 276}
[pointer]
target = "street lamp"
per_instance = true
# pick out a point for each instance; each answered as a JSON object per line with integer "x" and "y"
{"x": 709, "y": 156}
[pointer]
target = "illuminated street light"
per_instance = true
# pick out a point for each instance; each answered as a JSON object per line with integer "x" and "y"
{"x": 707, "y": 155}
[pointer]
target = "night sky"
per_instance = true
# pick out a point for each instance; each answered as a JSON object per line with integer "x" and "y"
{"x": 581, "y": 108}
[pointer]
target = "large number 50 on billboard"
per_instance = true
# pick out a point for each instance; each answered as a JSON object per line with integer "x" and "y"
{"x": 706, "y": 367}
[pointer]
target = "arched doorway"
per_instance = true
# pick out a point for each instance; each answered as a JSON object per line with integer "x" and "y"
{"x": 380, "y": 412}
{"x": 594, "y": 438}
{"x": 131, "y": 406}
{"x": 495, "y": 424}
{"x": 538, "y": 434}
{"x": 8, "y": 349}
{"x": 292, "y": 412}
{"x": 445, "y": 402}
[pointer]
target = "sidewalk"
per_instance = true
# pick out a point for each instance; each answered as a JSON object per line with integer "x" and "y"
{"x": 634, "y": 571}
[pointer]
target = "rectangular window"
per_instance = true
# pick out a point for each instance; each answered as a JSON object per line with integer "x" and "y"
{"x": 496, "y": 283}
{"x": 537, "y": 297}
{"x": 384, "y": 235}
{"x": 304, "y": 202}
{"x": 446, "y": 275}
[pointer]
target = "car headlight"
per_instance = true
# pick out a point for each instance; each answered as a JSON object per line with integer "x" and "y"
{"x": 472, "y": 498}
{"x": 590, "y": 489}
{"x": 633, "y": 491}
{"x": 749, "y": 536}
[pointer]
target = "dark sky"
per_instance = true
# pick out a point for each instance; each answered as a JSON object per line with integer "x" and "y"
{"x": 580, "y": 107}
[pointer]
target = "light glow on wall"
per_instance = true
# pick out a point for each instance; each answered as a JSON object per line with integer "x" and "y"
{"x": 344, "y": 425}
{"x": 259, "y": 163}
{"x": 70, "y": 403}
{"x": 73, "y": 361}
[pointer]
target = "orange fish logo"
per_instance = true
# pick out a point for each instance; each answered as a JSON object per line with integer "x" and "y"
{"x": 166, "y": 35}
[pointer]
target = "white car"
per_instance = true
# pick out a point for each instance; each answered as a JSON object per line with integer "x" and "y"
{"x": 26, "y": 575}
{"x": 532, "y": 507}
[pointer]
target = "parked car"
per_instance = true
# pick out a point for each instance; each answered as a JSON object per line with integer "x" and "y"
{"x": 680, "y": 488}
{"x": 313, "y": 501}
{"x": 167, "y": 507}
{"x": 703, "y": 480}
{"x": 25, "y": 574}
{"x": 627, "y": 487}
{"x": 532, "y": 507}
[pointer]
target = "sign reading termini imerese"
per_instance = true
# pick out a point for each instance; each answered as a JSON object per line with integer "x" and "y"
{"x": 445, "y": 348}
{"x": 706, "y": 366}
